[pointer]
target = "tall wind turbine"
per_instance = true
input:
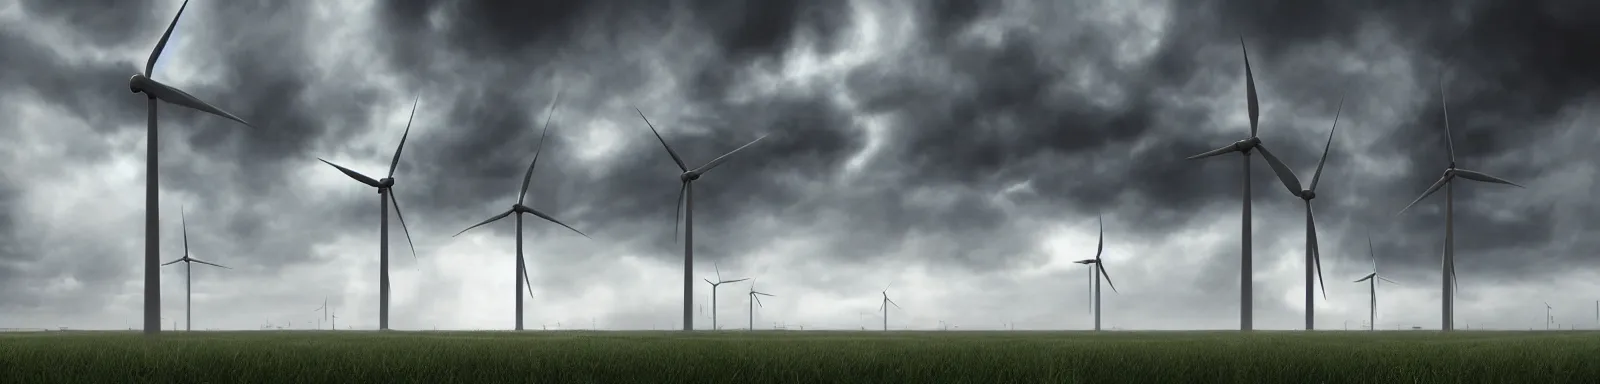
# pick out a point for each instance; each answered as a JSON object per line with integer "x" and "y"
{"x": 155, "y": 90}
{"x": 1372, "y": 286}
{"x": 686, "y": 202}
{"x": 714, "y": 285}
{"x": 385, "y": 194}
{"x": 1096, "y": 270}
{"x": 520, "y": 278}
{"x": 1244, "y": 147}
{"x": 188, "y": 275}
{"x": 755, "y": 299}
{"x": 1547, "y": 318}
{"x": 884, "y": 307}
{"x": 324, "y": 310}
{"x": 1313, "y": 252}
{"x": 1448, "y": 272}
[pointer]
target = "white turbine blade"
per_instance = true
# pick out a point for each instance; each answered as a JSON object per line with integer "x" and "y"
{"x": 896, "y": 305}
{"x": 1369, "y": 276}
{"x": 527, "y": 177}
{"x": 764, "y": 294}
{"x": 1480, "y": 176}
{"x": 1102, "y": 268}
{"x": 1325, "y": 147}
{"x": 541, "y": 215}
{"x": 1387, "y": 280}
{"x": 1449, "y": 144}
{"x": 1214, "y": 152}
{"x": 758, "y": 301}
{"x": 396, "y": 161}
{"x": 1430, "y": 191}
{"x": 490, "y": 220}
{"x": 354, "y": 175}
{"x": 735, "y": 280}
{"x": 1316, "y": 250}
{"x": 1371, "y": 252}
{"x": 675, "y": 158}
{"x": 178, "y": 97}
{"x": 185, "y": 220}
{"x": 1100, "y": 245}
{"x": 1284, "y": 174}
{"x": 708, "y": 281}
{"x": 718, "y": 269}
{"x": 173, "y": 262}
{"x": 208, "y": 263}
{"x": 1250, "y": 88}
{"x": 724, "y": 158}
{"x": 526, "y": 280}
{"x": 396, "y": 202}
{"x": 150, "y": 64}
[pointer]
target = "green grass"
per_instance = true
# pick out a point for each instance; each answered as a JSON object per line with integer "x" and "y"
{"x": 801, "y": 357}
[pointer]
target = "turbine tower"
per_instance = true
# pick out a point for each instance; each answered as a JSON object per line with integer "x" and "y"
{"x": 1313, "y": 252}
{"x": 155, "y": 90}
{"x": 884, "y": 307}
{"x": 714, "y": 285}
{"x": 1372, "y": 286}
{"x": 385, "y": 194}
{"x": 1096, "y": 270}
{"x": 755, "y": 299}
{"x": 188, "y": 275}
{"x": 686, "y": 203}
{"x": 1244, "y": 147}
{"x": 520, "y": 274}
{"x": 1448, "y": 270}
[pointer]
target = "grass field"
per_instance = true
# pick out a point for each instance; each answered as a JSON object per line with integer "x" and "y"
{"x": 801, "y": 357}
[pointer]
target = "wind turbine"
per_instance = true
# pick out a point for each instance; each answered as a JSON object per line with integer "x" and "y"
{"x": 755, "y": 299}
{"x": 1372, "y": 285}
{"x": 155, "y": 90}
{"x": 520, "y": 278}
{"x": 884, "y": 307}
{"x": 1313, "y": 252}
{"x": 1096, "y": 270}
{"x": 686, "y": 202}
{"x": 385, "y": 194}
{"x": 188, "y": 275}
{"x": 714, "y": 285}
{"x": 1448, "y": 270}
{"x": 1547, "y": 318}
{"x": 1244, "y": 147}
{"x": 324, "y": 310}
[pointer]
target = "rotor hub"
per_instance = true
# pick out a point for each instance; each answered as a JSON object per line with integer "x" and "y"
{"x": 689, "y": 176}
{"x": 136, "y": 83}
{"x": 1308, "y": 194}
{"x": 386, "y": 182}
{"x": 1244, "y": 146}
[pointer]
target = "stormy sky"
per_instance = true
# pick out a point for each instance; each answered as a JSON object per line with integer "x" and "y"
{"x": 958, "y": 150}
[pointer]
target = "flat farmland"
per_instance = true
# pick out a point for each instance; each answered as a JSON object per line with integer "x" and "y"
{"x": 801, "y": 357}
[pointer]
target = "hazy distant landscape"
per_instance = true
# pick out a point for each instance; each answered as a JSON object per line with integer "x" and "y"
{"x": 809, "y": 356}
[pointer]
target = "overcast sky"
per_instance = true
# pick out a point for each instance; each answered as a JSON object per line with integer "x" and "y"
{"x": 959, "y": 150}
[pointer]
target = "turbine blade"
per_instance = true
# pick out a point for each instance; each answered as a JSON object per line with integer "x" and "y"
{"x": 677, "y": 212}
{"x": 1214, "y": 152}
{"x": 708, "y": 281}
{"x": 1449, "y": 144}
{"x": 735, "y": 281}
{"x": 718, "y": 269}
{"x": 1250, "y": 89}
{"x": 1325, "y": 147}
{"x": 1371, "y": 252}
{"x": 527, "y": 177}
{"x": 1387, "y": 280}
{"x": 354, "y": 175}
{"x": 724, "y": 158}
{"x": 527, "y": 281}
{"x": 1100, "y": 245}
{"x": 1430, "y": 191}
{"x": 1480, "y": 176}
{"x": 1316, "y": 249}
{"x": 1284, "y": 174}
{"x": 185, "y": 220}
{"x": 179, "y": 97}
{"x": 490, "y": 220}
{"x": 758, "y": 301}
{"x": 208, "y": 263}
{"x": 173, "y": 262}
{"x": 396, "y": 161}
{"x": 402, "y": 217}
{"x": 765, "y": 294}
{"x": 1369, "y": 276}
{"x": 541, "y": 215}
{"x": 896, "y": 305}
{"x": 675, "y": 158}
{"x": 884, "y": 304}
{"x": 150, "y": 64}
{"x": 1102, "y": 268}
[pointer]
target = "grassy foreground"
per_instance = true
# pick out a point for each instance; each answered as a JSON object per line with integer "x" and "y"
{"x": 801, "y": 357}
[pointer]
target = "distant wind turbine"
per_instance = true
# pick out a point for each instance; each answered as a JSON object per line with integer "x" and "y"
{"x": 686, "y": 202}
{"x": 324, "y": 310}
{"x": 1096, "y": 270}
{"x": 1547, "y": 318}
{"x": 188, "y": 276}
{"x": 755, "y": 299}
{"x": 714, "y": 285}
{"x": 155, "y": 90}
{"x": 1372, "y": 285}
{"x": 1448, "y": 272}
{"x": 885, "y": 306}
{"x": 1313, "y": 252}
{"x": 1244, "y": 147}
{"x": 385, "y": 194}
{"x": 520, "y": 278}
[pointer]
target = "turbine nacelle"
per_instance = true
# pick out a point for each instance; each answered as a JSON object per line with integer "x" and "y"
{"x": 386, "y": 182}
{"x": 1244, "y": 146}
{"x": 1306, "y": 194}
{"x": 138, "y": 83}
{"x": 689, "y": 176}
